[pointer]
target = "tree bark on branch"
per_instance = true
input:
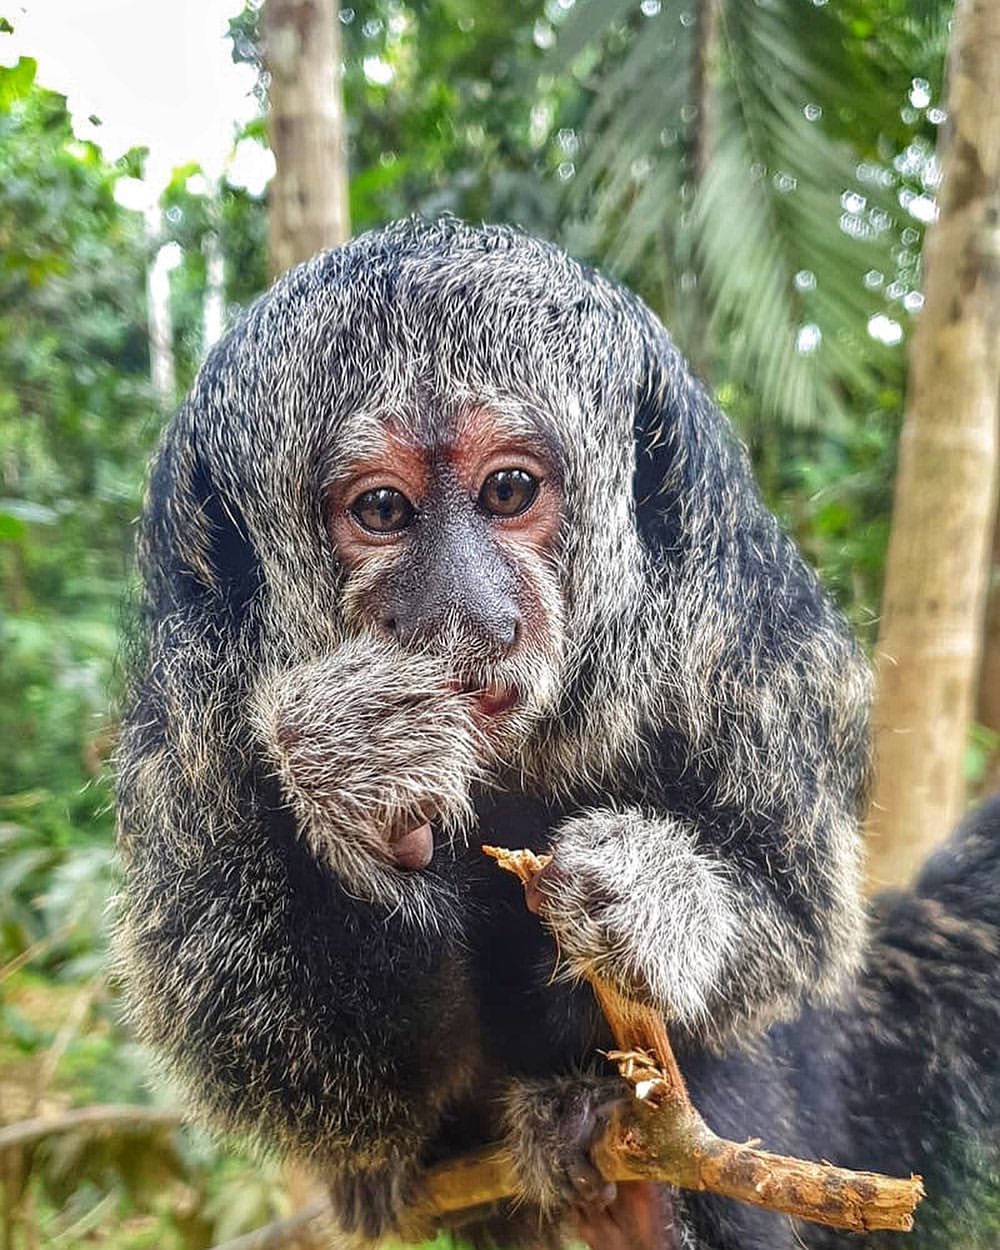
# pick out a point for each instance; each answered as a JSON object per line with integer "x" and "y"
{"x": 658, "y": 1135}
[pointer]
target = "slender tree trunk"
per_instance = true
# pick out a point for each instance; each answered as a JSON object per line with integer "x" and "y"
{"x": 308, "y": 203}
{"x": 988, "y": 709}
{"x": 213, "y": 314}
{"x": 704, "y": 86}
{"x": 932, "y": 611}
{"x": 705, "y": 72}
{"x": 158, "y": 317}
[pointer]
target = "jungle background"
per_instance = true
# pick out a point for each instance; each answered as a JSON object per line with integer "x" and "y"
{"x": 763, "y": 172}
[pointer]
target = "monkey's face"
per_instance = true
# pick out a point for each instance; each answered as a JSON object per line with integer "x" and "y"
{"x": 449, "y": 539}
{"x": 434, "y": 436}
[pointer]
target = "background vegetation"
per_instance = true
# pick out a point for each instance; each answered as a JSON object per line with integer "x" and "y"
{"x": 761, "y": 170}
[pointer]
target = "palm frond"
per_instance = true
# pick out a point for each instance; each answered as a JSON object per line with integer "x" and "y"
{"x": 759, "y": 265}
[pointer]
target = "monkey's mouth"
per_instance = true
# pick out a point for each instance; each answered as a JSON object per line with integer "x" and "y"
{"x": 495, "y": 700}
{"x": 491, "y": 698}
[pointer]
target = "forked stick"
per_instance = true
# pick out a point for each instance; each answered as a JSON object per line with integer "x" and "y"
{"x": 659, "y": 1135}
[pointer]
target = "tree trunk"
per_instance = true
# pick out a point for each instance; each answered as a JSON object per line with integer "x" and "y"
{"x": 307, "y": 200}
{"x": 213, "y": 313}
{"x": 704, "y": 87}
{"x": 932, "y": 611}
{"x": 158, "y": 316}
{"x": 695, "y": 328}
{"x": 988, "y": 710}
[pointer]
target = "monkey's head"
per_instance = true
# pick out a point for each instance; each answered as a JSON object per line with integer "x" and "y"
{"x": 429, "y": 437}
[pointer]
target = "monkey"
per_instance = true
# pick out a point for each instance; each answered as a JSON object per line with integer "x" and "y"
{"x": 447, "y": 546}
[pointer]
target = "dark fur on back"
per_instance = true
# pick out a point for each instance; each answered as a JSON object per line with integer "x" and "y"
{"x": 901, "y": 1076}
{"x": 694, "y": 746}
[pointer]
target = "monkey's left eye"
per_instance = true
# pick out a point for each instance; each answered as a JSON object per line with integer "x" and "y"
{"x": 383, "y": 510}
{"x": 508, "y": 492}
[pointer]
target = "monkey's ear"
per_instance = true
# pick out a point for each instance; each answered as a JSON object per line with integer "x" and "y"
{"x": 686, "y": 456}
{"x": 665, "y": 452}
{"x": 195, "y": 537}
{"x": 230, "y": 552}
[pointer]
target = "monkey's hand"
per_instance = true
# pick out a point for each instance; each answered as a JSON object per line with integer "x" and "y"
{"x": 371, "y": 744}
{"x": 551, "y": 1129}
{"x": 633, "y": 899}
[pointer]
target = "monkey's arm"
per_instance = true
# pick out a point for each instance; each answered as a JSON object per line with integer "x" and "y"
{"x": 722, "y": 884}
{"x": 294, "y": 1010}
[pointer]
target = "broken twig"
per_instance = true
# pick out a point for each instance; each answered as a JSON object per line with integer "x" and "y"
{"x": 658, "y": 1135}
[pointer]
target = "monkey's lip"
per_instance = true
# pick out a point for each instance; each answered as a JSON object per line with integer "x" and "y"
{"x": 491, "y": 700}
{"x": 496, "y": 700}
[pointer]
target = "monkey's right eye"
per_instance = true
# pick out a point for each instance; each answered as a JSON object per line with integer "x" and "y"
{"x": 383, "y": 510}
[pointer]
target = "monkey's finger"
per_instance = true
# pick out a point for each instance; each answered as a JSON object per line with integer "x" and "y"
{"x": 414, "y": 849}
{"x": 588, "y": 1188}
{"x": 538, "y": 889}
{"x": 583, "y": 1185}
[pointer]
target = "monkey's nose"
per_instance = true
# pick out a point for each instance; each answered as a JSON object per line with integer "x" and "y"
{"x": 499, "y": 630}
{"x": 508, "y": 631}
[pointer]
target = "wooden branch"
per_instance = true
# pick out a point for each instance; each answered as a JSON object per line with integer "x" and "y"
{"x": 658, "y": 1135}
{"x": 101, "y": 1119}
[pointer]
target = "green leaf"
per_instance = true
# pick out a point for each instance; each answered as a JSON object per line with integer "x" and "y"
{"x": 11, "y": 528}
{"x": 16, "y": 81}
{"x": 759, "y": 250}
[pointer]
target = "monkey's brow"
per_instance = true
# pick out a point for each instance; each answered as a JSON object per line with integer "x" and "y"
{"x": 367, "y": 438}
{"x": 371, "y": 435}
{"x": 500, "y": 418}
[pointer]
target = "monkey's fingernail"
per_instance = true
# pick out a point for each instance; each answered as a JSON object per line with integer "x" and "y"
{"x": 534, "y": 897}
{"x": 539, "y": 890}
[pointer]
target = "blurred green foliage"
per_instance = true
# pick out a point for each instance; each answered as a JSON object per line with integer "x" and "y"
{"x": 73, "y": 403}
{"x": 574, "y": 121}
{"x": 77, "y": 423}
